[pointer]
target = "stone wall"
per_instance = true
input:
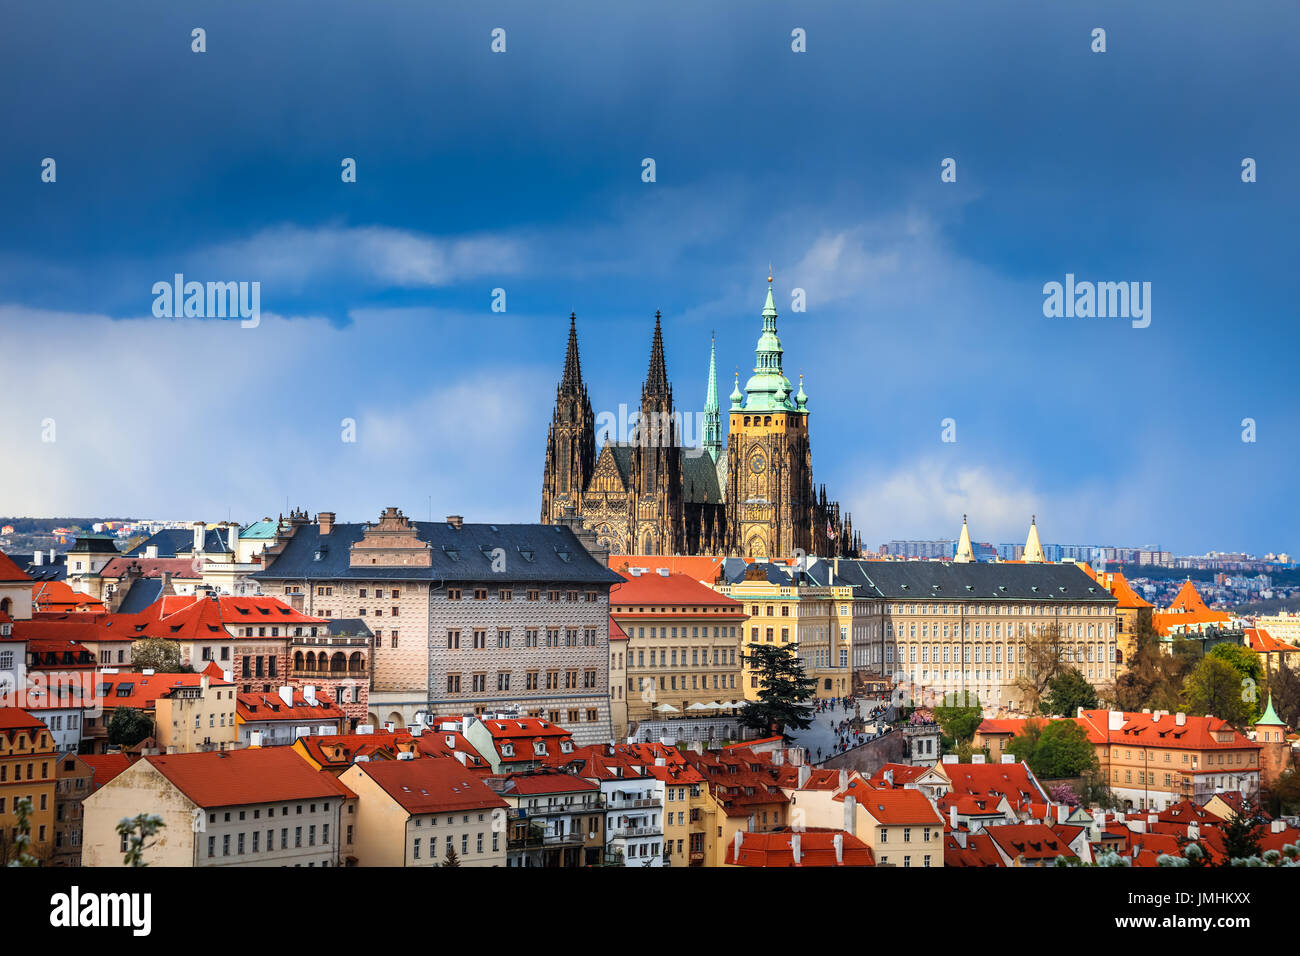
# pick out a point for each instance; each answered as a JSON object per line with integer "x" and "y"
{"x": 867, "y": 758}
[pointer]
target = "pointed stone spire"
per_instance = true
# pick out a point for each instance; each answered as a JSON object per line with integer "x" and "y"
{"x": 1033, "y": 547}
{"x": 965, "y": 553}
{"x": 572, "y": 379}
{"x": 712, "y": 415}
{"x": 657, "y": 378}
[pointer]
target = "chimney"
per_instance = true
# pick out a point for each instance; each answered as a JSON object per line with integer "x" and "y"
{"x": 1008, "y": 758}
{"x": 661, "y": 761}
{"x": 976, "y": 758}
{"x": 147, "y": 672}
{"x": 952, "y": 815}
{"x": 735, "y": 853}
{"x": 838, "y": 840}
{"x": 960, "y": 837}
{"x": 51, "y": 555}
{"x": 233, "y": 539}
{"x": 203, "y": 683}
{"x": 456, "y": 521}
{"x": 462, "y": 757}
{"x": 1062, "y": 811}
{"x": 950, "y": 758}
{"x": 1193, "y": 831}
{"x": 326, "y": 521}
{"x": 1115, "y": 720}
{"x": 465, "y": 721}
{"x": 804, "y": 774}
{"x": 889, "y": 777}
{"x": 228, "y": 676}
{"x": 198, "y": 538}
{"x": 796, "y": 847}
{"x": 1152, "y": 819}
{"x": 286, "y": 695}
{"x": 151, "y": 551}
{"x": 1276, "y": 826}
{"x": 778, "y": 758}
{"x": 37, "y": 558}
{"x": 1180, "y": 719}
{"x": 254, "y": 739}
{"x": 850, "y": 815}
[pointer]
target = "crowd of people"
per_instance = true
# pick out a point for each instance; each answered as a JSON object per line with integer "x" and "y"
{"x": 850, "y": 730}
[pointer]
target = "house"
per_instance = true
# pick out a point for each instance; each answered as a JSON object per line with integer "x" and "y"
{"x": 415, "y": 812}
{"x": 27, "y": 772}
{"x": 272, "y": 720}
{"x": 901, "y": 826}
{"x": 554, "y": 819}
{"x": 262, "y": 806}
{"x": 511, "y": 744}
{"x": 806, "y": 847}
{"x": 190, "y": 712}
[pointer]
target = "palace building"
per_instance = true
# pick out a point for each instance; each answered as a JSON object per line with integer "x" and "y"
{"x": 652, "y": 495}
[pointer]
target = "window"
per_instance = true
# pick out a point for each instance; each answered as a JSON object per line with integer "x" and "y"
{"x": 453, "y": 594}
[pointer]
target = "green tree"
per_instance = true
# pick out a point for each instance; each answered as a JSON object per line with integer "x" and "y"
{"x": 23, "y": 836}
{"x": 136, "y": 830}
{"x": 1241, "y": 833}
{"x": 1215, "y": 687}
{"x": 156, "y": 653}
{"x": 1063, "y": 750}
{"x": 451, "y": 858}
{"x": 1067, "y": 692}
{"x": 1246, "y": 663}
{"x": 959, "y": 716}
{"x": 783, "y": 690}
{"x": 1045, "y": 659}
{"x": 128, "y": 726}
{"x": 1284, "y": 794}
{"x": 1023, "y": 744}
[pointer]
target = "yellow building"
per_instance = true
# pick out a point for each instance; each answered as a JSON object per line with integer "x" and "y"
{"x": 414, "y": 812}
{"x": 192, "y": 718}
{"x": 27, "y": 771}
{"x": 683, "y": 645}
{"x": 818, "y": 619}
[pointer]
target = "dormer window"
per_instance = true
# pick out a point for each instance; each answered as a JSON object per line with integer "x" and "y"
{"x": 566, "y": 747}
{"x": 539, "y": 748}
{"x": 507, "y": 750}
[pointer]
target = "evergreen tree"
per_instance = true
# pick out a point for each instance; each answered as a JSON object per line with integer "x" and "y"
{"x": 1067, "y": 692}
{"x": 451, "y": 859}
{"x": 783, "y": 690}
{"x": 128, "y": 726}
{"x": 1241, "y": 833}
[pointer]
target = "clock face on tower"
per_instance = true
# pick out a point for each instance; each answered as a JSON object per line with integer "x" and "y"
{"x": 757, "y": 464}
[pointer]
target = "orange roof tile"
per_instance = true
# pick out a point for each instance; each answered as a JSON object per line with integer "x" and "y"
{"x": 431, "y": 785}
{"x": 816, "y": 848}
{"x": 227, "y": 778}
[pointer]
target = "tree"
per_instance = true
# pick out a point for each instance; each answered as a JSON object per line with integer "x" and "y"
{"x": 1241, "y": 833}
{"x": 128, "y": 726}
{"x": 959, "y": 716}
{"x": 451, "y": 859}
{"x": 23, "y": 839}
{"x": 1284, "y": 794}
{"x": 1215, "y": 687}
{"x": 1247, "y": 664}
{"x": 1044, "y": 660}
{"x": 1284, "y": 685}
{"x": 156, "y": 653}
{"x": 1057, "y": 748}
{"x": 1067, "y": 692}
{"x": 1154, "y": 673}
{"x": 136, "y": 830}
{"x": 783, "y": 690}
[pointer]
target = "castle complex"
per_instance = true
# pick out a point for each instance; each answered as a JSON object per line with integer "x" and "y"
{"x": 652, "y": 495}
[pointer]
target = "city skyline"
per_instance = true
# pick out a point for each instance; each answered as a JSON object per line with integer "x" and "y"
{"x": 924, "y": 298}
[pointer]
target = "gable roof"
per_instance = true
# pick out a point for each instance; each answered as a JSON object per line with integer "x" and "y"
{"x": 899, "y": 806}
{"x": 962, "y": 581}
{"x": 226, "y": 778}
{"x": 816, "y": 848}
{"x": 431, "y": 785}
{"x": 9, "y": 571}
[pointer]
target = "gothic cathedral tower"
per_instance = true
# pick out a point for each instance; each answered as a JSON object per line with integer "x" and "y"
{"x": 656, "y": 461}
{"x": 770, "y": 504}
{"x": 571, "y": 441}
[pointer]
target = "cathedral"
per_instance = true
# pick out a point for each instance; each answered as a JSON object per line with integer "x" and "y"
{"x": 652, "y": 495}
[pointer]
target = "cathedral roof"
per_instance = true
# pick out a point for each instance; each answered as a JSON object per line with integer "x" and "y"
{"x": 656, "y": 379}
{"x": 572, "y": 366}
{"x": 700, "y": 478}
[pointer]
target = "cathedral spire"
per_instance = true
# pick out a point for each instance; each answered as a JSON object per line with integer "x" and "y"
{"x": 712, "y": 416}
{"x": 768, "y": 389}
{"x": 572, "y": 379}
{"x": 657, "y": 378}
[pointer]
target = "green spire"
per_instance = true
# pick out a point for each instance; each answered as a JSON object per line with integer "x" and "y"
{"x": 801, "y": 399}
{"x": 712, "y": 417}
{"x": 1270, "y": 715}
{"x": 768, "y": 390}
{"x": 736, "y": 397}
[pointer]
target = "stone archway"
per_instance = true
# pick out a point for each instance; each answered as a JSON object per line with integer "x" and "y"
{"x": 756, "y": 547}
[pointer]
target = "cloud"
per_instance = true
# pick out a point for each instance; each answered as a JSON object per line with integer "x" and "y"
{"x": 374, "y": 256}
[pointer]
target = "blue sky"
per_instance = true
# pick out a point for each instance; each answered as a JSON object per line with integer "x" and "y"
{"x": 523, "y": 171}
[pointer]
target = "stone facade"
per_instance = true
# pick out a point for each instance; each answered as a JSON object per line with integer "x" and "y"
{"x": 647, "y": 492}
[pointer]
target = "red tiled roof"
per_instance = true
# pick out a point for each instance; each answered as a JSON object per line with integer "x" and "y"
{"x": 333, "y": 751}
{"x": 229, "y": 778}
{"x": 59, "y": 596}
{"x": 1262, "y": 642}
{"x": 529, "y": 783}
{"x": 894, "y": 807}
{"x": 15, "y": 719}
{"x": 1010, "y": 779}
{"x": 1030, "y": 841}
{"x": 817, "y": 848}
{"x": 979, "y": 851}
{"x": 1196, "y": 733}
{"x": 431, "y": 785}
{"x": 106, "y": 766}
{"x": 260, "y": 707}
{"x": 10, "y": 571}
{"x": 616, "y": 633}
{"x": 136, "y": 689}
{"x": 674, "y": 591}
{"x": 700, "y": 567}
{"x": 902, "y": 773}
{"x": 191, "y": 617}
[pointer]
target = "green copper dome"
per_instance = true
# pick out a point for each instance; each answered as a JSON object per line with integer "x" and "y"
{"x": 768, "y": 390}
